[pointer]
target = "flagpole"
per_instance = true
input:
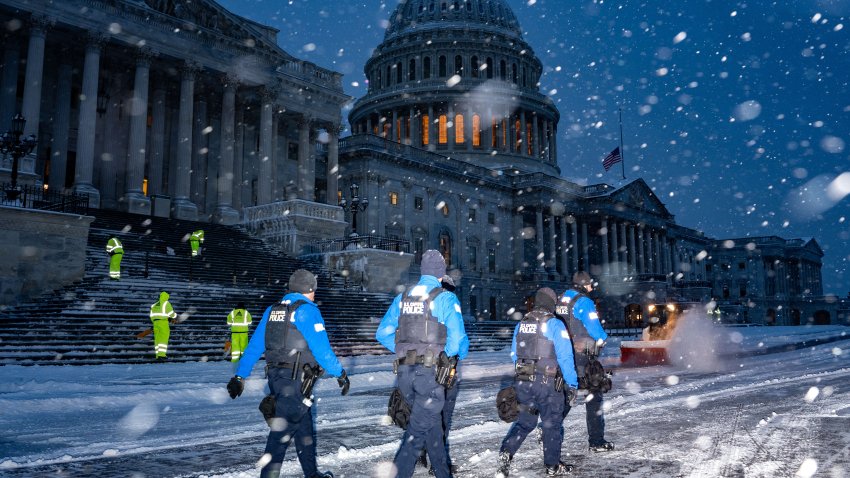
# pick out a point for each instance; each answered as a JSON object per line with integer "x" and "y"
{"x": 622, "y": 153}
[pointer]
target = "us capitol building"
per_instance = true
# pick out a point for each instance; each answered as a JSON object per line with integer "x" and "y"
{"x": 181, "y": 108}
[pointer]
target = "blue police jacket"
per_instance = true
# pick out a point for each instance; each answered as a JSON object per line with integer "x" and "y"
{"x": 446, "y": 309}
{"x": 555, "y": 331}
{"x": 585, "y": 311}
{"x": 308, "y": 321}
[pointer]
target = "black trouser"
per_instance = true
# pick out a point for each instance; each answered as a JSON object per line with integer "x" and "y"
{"x": 293, "y": 421}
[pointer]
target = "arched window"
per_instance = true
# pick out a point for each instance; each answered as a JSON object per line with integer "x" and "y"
{"x": 426, "y": 129}
{"x": 442, "y": 66}
{"x": 431, "y": 7}
{"x": 503, "y": 70}
{"x": 389, "y": 75}
{"x": 474, "y": 66}
{"x": 529, "y": 129}
{"x": 480, "y": 7}
{"x": 386, "y": 132}
{"x": 443, "y": 6}
{"x": 443, "y": 131}
{"x": 489, "y": 65}
{"x": 456, "y": 6}
{"x": 411, "y": 70}
{"x": 476, "y": 131}
{"x": 446, "y": 244}
{"x": 514, "y": 73}
{"x": 426, "y": 67}
{"x": 458, "y": 129}
{"x": 458, "y": 64}
{"x": 494, "y": 127}
{"x": 468, "y": 5}
{"x": 399, "y": 77}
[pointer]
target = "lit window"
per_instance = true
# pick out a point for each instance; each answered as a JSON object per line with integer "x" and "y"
{"x": 426, "y": 129}
{"x": 476, "y": 130}
{"x": 458, "y": 129}
{"x": 444, "y": 135}
{"x": 530, "y": 136}
{"x": 144, "y": 186}
{"x": 386, "y": 133}
{"x": 445, "y": 210}
{"x": 518, "y": 138}
{"x": 394, "y": 198}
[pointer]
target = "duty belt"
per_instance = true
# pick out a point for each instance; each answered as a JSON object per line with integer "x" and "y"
{"x": 282, "y": 365}
{"x": 412, "y": 359}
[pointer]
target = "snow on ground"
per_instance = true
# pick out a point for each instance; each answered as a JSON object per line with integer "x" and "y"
{"x": 759, "y": 410}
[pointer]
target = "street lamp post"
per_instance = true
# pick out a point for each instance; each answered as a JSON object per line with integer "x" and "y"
{"x": 354, "y": 205}
{"x": 12, "y": 144}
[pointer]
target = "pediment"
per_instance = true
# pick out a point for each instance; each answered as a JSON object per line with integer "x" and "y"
{"x": 813, "y": 246}
{"x": 637, "y": 194}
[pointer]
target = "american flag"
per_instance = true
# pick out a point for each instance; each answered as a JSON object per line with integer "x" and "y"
{"x": 613, "y": 158}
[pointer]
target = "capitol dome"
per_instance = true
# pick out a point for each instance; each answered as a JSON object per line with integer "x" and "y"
{"x": 457, "y": 77}
{"x": 415, "y": 15}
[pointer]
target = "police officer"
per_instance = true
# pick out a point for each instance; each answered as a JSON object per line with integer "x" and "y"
{"x": 451, "y": 393}
{"x": 543, "y": 358}
{"x": 116, "y": 252}
{"x": 239, "y": 320}
{"x": 582, "y": 321}
{"x": 424, "y": 328}
{"x": 292, "y": 335}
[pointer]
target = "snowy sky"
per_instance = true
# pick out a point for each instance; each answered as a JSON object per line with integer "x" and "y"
{"x": 737, "y": 114}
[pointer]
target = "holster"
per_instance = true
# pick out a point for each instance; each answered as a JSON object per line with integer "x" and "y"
{"x": 309, "y": 377}
{"x": 559, "y": 382}
{"x": 446, "y": 370}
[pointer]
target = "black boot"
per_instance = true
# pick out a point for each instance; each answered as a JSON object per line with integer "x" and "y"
{"x": 602, "y": 447}
{"x": 504, "y": 465}
{"x": 323, "y": 474}
{"x": 561, "y": 469}
{"x": 423, "y": 459}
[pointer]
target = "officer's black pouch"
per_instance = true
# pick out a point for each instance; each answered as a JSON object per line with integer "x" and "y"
{"x": 267, "y": 408}
{"x": 398, "y": 409}
{"x": 308, "y": 379}
{"x": 446, "y": 370}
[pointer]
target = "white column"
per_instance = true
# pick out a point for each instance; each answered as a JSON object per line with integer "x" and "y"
{"x": 585, "y": 247}
{"x": 264, "y": 176}
{"x": 565, "y": 268}
{"x": 61, "y": 125}
{"x": 540, "y": 259}
{"x": 523, "y": 136}
{"x": 137, "y": 202}
{"x": 224, "y": 212}
{"x": 333, "y": 164}
{"x": 535, "y": 132}
{"x": 34, "y": 76}
{"x": 239, "y": 158}
{"x": 9, "y": 92}
{"x": 183, "y": 207}
{"x": 632, "y": 250}
{"x": 615, "y": 249}
{"x": 642, "y": 250}
{"x": 303, "y": 181}
{"x": 606, "y": 266}
{"x": 519, "y": 241}
{"x": 278, "y": 183}
{"x": 83, "y": 171}
{"x": 677, "y": 266}
{"x": 574, "y": 239}
{"x": 157, "y": 156}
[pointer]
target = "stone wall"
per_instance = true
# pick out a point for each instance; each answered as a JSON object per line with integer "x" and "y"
{"x": 42, "y": 251}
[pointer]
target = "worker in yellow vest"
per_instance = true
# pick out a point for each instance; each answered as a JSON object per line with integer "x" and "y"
{"x": 239, "y": 320}
{"x": 195, "y": 241}
{"x": 116, "y": 252}
{"x": 161, "y": 314}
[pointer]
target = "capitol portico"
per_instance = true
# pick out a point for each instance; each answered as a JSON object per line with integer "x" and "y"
{"x": 132, "y": 99}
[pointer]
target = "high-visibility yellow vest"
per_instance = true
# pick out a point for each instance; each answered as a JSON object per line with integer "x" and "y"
{"x": 239, "y": 320}
{"x": 114, "y": 246}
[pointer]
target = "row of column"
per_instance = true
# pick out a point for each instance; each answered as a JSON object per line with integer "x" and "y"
{"x": 624, "y": 248}
{"x": 228, "y": 173}
{"x": 495, "y": 131}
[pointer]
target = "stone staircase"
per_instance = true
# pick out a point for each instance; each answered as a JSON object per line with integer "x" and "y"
{"x": 96, "y": 320}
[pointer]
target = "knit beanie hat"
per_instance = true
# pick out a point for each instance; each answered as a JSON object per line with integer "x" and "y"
{"x": 433, "y": 264}
{"x": 545, "y": 299}
{"x": 302, "y": 281}
{"x": 582, "y": 278}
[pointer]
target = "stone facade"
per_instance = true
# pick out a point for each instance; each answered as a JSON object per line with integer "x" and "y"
{"x": 134, "y": 98}
{"x": 43, "y": 251}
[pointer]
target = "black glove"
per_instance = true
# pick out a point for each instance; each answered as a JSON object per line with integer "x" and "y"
{"x": 235, "y": 386}
{"x": 571, "y": 396}
{"x": 344, "y": 383}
